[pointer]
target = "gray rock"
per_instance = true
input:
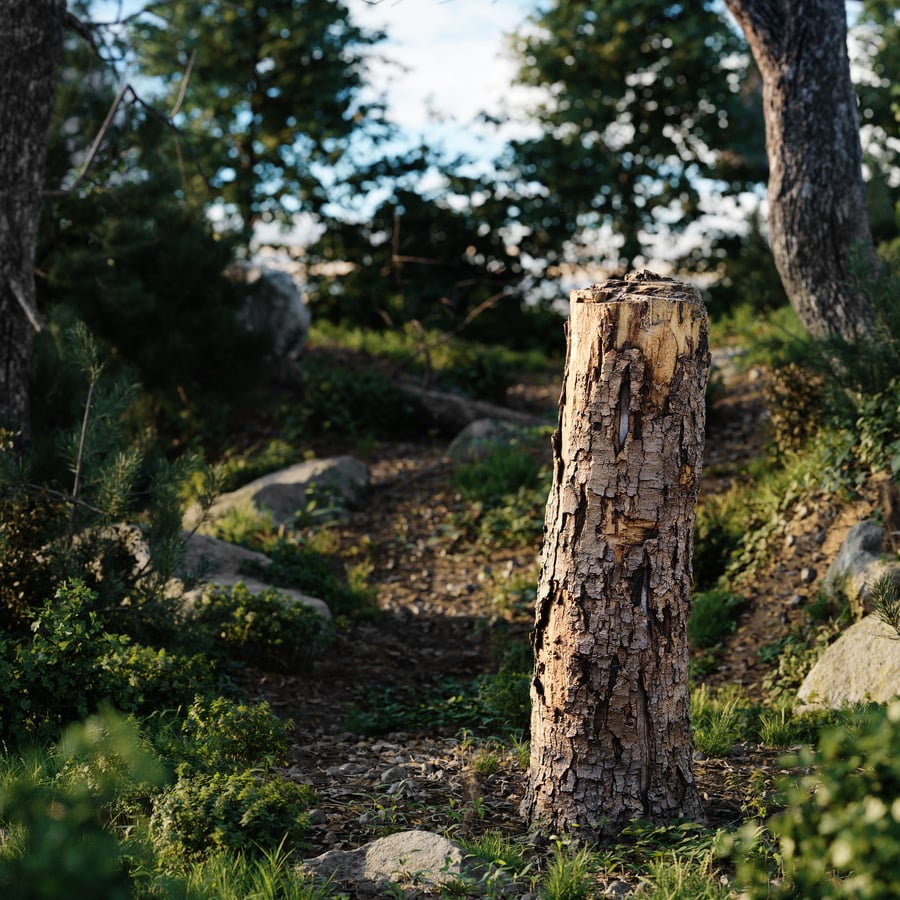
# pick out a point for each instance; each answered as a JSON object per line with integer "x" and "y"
{"x": 859, "y": 564}
{"x": 220, "y": 564}
{"x": 481, "y": 437}
{"x": 406, "y": 857}
{"x": 338, "y": 482}
{"x": 275, "y": 307}
{"x": 863, "y": 664}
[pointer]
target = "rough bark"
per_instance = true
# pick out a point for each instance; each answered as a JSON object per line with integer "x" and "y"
{"x": 31, "y": 33}
{"x": 610, "y": 726}
{"x": 817, "y": 204}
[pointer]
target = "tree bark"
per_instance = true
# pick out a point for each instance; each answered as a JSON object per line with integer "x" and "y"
{"x": 610, "y": 725}
{"x": 817, "y": 202}
{"x": 31, "y": 34}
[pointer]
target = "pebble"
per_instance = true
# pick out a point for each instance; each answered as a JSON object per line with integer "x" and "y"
{"x": 795, "y": 601}
{"x": 807, "y": 575}
{"x": 317, "y": 817}
{"x": 393, "y": 775}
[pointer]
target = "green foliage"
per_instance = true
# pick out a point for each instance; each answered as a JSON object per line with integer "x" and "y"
{"x": 718, "y": 532}
{"x": 144, "y": 679}
{"x": 885, "y": 599}
{"x": 498, "y": 704}
{"x": 268, "y": 119}
{"x": 239, "y": 876}
{"x": 312, "y": 567}
{"x": 58, "y": 809}
{"x": 501, "y": 473}
{"x": 352, "y": 401}
{"x": 713, "y": 617}
{"x": 222, "y": 735}
{"x": 642, "y": 98}
{"x": 793, "y": 397}
{"x": 838, "y": 835}
{"x": 266, "y": 629}
{"x": 505, "y": 494}
{"x": 569, "y": 874}
{"x": 70, "y": 664}
{"x": 718, "y": 720}
{"x": 203, "y": 814}
{"x": 671, "y": 878}
{"x": 862, "y": 375}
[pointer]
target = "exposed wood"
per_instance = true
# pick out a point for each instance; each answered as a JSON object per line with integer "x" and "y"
{"x": 610, "y": 728}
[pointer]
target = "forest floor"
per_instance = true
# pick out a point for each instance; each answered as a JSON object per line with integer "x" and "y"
{"x": 439, "y": 619}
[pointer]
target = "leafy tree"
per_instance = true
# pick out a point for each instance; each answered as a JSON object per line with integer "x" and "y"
{"x": 643, "y": 100}
{"x": 817, "y": 201}
{"x": 271, "y": 95}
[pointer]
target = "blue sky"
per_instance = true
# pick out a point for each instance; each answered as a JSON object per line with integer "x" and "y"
{"x": 454, "y": 54}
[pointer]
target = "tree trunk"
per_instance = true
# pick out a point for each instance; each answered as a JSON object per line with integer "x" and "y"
{"x": 817, "y": 202}
{"x": 31, "y": 33}
{"x": 610, "y": 722}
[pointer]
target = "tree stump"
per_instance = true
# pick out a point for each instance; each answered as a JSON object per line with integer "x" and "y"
{"x": 610, "y": 724}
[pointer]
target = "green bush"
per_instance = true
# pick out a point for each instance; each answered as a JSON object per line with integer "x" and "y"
{"x": 501, "y": 473}
{"x": 221, "y": 735}
{"x": 57, "y": 812}
{"x": 144, "y": 679}
{"x": 713, "y": 617}
{"x": 57, "y": 676}
{"x": 266, "y": 629}
{"x": 203, "y": 814}
{"x": 840, "y": 831}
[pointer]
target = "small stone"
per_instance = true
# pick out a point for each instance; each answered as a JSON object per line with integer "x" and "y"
{"x": 795, "y": 601}
{"x": 790, "y": 540}
{"x": 807, "y": 575}
{"x": 617, "y": 888}
{"x": 331, "y": 838}
{"x": 393, "y": 775}
{"x": 317, "y": 817}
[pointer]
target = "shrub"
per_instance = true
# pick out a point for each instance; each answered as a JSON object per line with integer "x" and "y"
{"x": 57, "y": 677}
{"x": 713, "y": 617}
{"x": 267, "y": 629}
{"x": 203, "y": 814}
{"x": 62, "y": 847}
{"x": 221, "y": 735}
{"x": 144, "y": 679}
{"x": 502, "y": 472}
{"x": 840, "y": 831}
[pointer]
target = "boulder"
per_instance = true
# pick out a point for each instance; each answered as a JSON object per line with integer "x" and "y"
{"x": 482, "y": 436}
{"x": 275, "y": 307}
{"x": 860, "y": 563}
{"x": 220, "y": 564}
{"x": 335, "y": 483}
{"x": 408, "y": 857}
{"x": 863, "y": 664}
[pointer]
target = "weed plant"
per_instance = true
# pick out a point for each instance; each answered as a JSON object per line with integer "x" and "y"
{"x": 719, "y": 720}
{"x": 713, "y": 617}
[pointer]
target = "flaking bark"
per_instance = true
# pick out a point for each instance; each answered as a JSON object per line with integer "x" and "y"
{"x": 610, "y": 728}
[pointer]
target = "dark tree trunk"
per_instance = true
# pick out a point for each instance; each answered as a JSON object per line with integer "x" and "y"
{"x": 610, "y": 720}
{"x": 31, "y": 35}
{"x": 817, "y": 204}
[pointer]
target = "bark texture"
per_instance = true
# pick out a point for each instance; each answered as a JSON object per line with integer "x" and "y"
{"x": 610, "y": 724}
{"x": 31, "y": 34}
{"x": 817, "y": 203}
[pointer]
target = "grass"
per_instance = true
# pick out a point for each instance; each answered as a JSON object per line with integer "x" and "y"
{"x": 718, "y": 720}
